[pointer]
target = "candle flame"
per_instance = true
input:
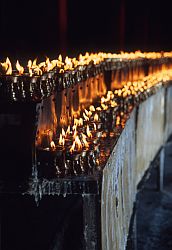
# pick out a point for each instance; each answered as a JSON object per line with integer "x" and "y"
{"x": 72, "y": 149}
{"x": 78, "y": 142}
{"x": 85, "y": 117}
{"x": 74, "y": 128}
{"x": 60, "y": 58}
{"x": 77, "y": 145}
{"x": 61, "y": 140}
{"x": 92, "y": 108}
{"x": 63, "y": 132}
{"x": 19, "y": 68}
{"x": 29, "y": 65}
{"x": 104, "y": 106}
{"x": 52, "y": 145}
{"x": 98, "y": 109}
{"x": 7, "y": 66}
{"x": 88, "y": 113}
{"x": 118, "y": 120}
{"x": 34, "y": 62}
{"x": 50, "y": 65}
{"x": 89, "y": 134}
{"x": 76, "y": 122}
{"x": 68, "y": 130}
{"x": 113, "y": 104}
{"x": 80, "y": 122}
{"x": 96, "y": 117}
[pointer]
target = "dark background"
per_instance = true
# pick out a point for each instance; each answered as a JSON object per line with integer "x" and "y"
{"x": 38, "y": 27}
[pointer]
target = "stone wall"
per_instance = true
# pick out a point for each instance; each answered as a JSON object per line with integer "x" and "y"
{"x": 147, "y": 129}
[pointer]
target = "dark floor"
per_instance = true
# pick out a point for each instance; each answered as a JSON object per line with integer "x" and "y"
{"x": 154, "y": 211}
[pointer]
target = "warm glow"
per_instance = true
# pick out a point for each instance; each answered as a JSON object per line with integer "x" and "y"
{"x": 60, "y": 58}
{"x": 92, "y": 108}
{"x": 72, "y": 149}
{"x": 85, "y": 117}
{"x": 50, "y": 65}
{"x": 68, "y": 130}
{"x": 29, "y": 65}
{"x": 88, "y": 113}
{"x": 63, "y": 132}
{"x": 74, "y": 128}
{"x": 98, "y": 109}
{"x": 105, "y": 107}
{"x": 96, "y": 117}
{"x": 118, "y": 121}
{"x": 77, "y": 145}
{"x": 61, "y": 140}
{"x": 7, "y": 66}
{"x": 89, "y": 134}
{"x": 68, "y": 64}
{"x": 19, "y": 68}
{"x": 76, "y": 121}
{"x": 80, "y": 122}
{"x": 52, "y": 145}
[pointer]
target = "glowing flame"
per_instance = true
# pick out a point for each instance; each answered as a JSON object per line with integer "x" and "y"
{"x": 76, "y": 121}
{"x": 85, "y": 117}
{"x": 88, "y": 132}
{"x": 96, "y": 117}
{"x": 60, "y": 58}
{"x": 118, "y": 120}
{"x": 80, "y": 122}
{"x": 61, "y": 140}
{"x": 95, "y": 128}
{"x": 34, "y": 62}
{"x": 52, "y": 145}
{"x": 103, "y": 100}
{"x": 104, "y": 106}
{"x": 7, "y": 66}
{"x": 72, "y": 149}
{"x": 19, "y": 68}
{"x": 63, "y": 132}
{"x": 68, "y": 64}
{"x": 92, "y": 108}
{"x": 68, "y": 130}
{"x": 98, "y": 109}
{"x": 33, "y": 67}
{"x": 37, "y": 71}
{"x": 29, "y": 65}
{"x": 50, "y": 65}
{"x": 88, "y": 113}
{"x": 113, "y": 104}
{"x": 77, "y": 145}
{"x": 74, "y": 128}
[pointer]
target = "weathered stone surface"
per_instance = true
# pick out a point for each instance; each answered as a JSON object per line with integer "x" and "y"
{"x": 118, "y": 189}
{"x": 168, "y": 115}
{"x": 150, "y": 131}
{"x": 136, "y": 148}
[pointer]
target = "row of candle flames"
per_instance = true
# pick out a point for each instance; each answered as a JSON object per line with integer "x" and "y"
{"x": 69, "y": 64}
{"x": 82, "y": 140}
{"x": 131, "y": 89}
{"x": 88, "y": 132}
